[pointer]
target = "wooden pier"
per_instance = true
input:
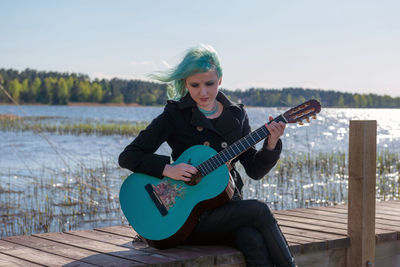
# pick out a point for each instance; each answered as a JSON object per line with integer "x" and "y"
{"x": 317, "y": 237}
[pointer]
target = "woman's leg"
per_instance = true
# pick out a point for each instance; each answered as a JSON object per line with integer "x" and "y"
{"x": 221, "y": 224}
{"x": 251, "y": 242}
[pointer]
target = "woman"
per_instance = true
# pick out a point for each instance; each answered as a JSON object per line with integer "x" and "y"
{"x": 200, "y": 114}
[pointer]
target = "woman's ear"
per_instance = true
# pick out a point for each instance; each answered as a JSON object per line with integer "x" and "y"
{"x": 219, "y": 81}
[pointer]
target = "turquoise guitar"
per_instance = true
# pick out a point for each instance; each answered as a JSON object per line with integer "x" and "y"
{"x": 165, "y": 211}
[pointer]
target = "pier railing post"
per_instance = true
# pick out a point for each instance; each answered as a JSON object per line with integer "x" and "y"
{"x": 361, "y": 193}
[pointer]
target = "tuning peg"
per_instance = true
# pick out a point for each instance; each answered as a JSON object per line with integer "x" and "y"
{"x": 314, "y": 117}
{"x": 307, "y": 119}
{"x": 301, "y": 123}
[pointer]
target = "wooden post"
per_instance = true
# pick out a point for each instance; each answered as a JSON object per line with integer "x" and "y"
{"x": 362, "y": 183}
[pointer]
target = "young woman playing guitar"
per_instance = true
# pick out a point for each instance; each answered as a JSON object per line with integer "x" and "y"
{"x": 198, "y": 114}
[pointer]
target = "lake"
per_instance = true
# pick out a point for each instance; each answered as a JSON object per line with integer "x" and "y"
{"x": 54, "y": 182}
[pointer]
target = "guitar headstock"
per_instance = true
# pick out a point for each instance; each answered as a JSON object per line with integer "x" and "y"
{"x": 303, "y": 112}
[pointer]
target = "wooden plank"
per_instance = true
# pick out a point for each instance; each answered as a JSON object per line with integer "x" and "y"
{"x": 389, "y": 208}
{"x": 394, "y": 203}
{"x": 379, "y": 210}
{"x": 322, "y": 216}
{"x": 323, "y": 211}
{"x": 123, "y": 230}
{"x": 312, "y": 227}
{"x": 137, "y": 257}
{"x": 37, "y": 256}
{"x": 176, "y": 253}
{"x": 324, "y": 258}
{"x": 68, "y": 251}
{"x": 106, "y": 237}
{"x": 315, "y": 222}
{"x": 383, "y": 233}
{"x": 388, "y": 254}
{"x": 6, "y": 260}
{"x": 380, "y": 223}
{"x": 378, "y": 214}
{"x": 221, "y": 255}
{"x": 305, "y": 244}
{"x": 361, "y": 192}
{"x": 332, "y": 240}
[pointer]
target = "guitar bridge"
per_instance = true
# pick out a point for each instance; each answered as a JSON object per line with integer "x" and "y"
{"x": 156, "y": 199}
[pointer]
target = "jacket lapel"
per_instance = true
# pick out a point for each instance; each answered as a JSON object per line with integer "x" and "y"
{"x": 226, "y": 123}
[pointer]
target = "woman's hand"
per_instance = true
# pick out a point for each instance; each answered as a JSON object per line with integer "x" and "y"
{"x": 181, "y": 171}
{"x": 276, "y": 131}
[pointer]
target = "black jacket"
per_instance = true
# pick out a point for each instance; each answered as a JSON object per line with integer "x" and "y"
{"x": 182, "y": 125}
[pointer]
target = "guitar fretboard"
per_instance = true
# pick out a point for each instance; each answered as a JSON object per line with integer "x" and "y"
{"x": 236, "y": 148}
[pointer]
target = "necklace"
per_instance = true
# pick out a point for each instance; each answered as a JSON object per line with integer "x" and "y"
{"x": 209, "y": 112}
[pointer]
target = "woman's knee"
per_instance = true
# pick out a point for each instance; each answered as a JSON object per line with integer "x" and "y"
{"x": 261, "y": 211}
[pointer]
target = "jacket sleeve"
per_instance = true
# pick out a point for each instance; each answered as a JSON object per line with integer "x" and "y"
{"x": 258, "y": 163}
{"x": 139, "y": 155}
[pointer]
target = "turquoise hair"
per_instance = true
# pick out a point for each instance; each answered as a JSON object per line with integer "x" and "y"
{"x": 198, "y": 59}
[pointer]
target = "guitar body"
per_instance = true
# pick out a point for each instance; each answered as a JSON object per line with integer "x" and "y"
{"x": 183, "y": 203}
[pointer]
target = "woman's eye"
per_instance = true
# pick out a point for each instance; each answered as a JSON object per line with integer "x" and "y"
{"x": 210, "y": 83}
{"x": 194, "y": 85}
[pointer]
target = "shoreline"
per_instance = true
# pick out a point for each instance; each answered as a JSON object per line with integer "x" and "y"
{"x": 79, "y": 104}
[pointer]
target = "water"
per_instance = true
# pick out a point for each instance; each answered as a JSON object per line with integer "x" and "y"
{"x": 53, "y": 182}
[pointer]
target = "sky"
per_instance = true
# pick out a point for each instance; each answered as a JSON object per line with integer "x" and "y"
{"x": 349, "y": 46}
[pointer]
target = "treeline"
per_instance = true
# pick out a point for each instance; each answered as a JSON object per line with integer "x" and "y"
{"x": 54, "y": 88}
{"x": 294, "y": 96}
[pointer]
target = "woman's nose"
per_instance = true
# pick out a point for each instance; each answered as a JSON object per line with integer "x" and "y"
{"x": 203, "y": 90}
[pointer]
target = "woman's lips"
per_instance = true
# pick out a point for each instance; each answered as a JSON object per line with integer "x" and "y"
{"x": 203, "y": 99}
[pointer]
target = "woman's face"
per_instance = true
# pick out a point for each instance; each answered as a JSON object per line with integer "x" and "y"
{"x": 203, "y": 88}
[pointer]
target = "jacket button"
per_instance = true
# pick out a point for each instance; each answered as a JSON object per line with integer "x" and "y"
{"x": 199, "y": 128}
{"x": 206, "y": 143}
{"x": 224, "y": 144}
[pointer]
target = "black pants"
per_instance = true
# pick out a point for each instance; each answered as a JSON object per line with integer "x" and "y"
{"x": 249, "y": 226}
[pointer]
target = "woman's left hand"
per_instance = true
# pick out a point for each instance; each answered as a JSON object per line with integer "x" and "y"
{"x": 276, "y": 130}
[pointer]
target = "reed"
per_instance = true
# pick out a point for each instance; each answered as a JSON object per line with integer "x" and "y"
{"x": 16, "y": 124}
{"x": 306, "y": 180}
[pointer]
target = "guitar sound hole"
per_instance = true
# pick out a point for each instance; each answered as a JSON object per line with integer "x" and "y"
{"x": 195, "y": 179}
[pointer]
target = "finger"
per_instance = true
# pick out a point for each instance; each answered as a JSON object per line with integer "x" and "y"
{"x": 272, "y": 127}
{"x": 191, "y": 169}
{"x": 275, "y": 130}
{"x": 270, "y": 118}
{"x": 186, "y": 177}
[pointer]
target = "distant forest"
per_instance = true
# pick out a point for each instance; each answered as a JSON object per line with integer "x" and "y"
{"x": 55, "y": 88}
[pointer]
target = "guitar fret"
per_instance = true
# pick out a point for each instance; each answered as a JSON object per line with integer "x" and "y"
{"x": 200, "y": 169}
{"x": 207, "y": 163}
{"x": 258, "y": 134}
{"x": 229, "y": 153}
{"x": 247, "y": 141}
{"x": 219, "y": 159}
{"x": 243, "y": 147}
{"x": 213, "y": 164}
{"x": 225, "y": 158}
{"x": 265, "y": 130}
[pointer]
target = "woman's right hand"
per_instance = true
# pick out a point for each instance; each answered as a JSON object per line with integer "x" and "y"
{"x": 181, "y": 171}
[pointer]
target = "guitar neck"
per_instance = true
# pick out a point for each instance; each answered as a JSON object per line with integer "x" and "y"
{"x": 236, "y": 148}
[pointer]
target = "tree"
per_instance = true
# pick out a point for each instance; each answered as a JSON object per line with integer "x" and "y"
{"x": 84, "y": 91}
{"x": 61, "y": 93}
{"x": 35, "y": 87}
{"x": 96, "y": 92}
{"x": 14, "y": 88}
